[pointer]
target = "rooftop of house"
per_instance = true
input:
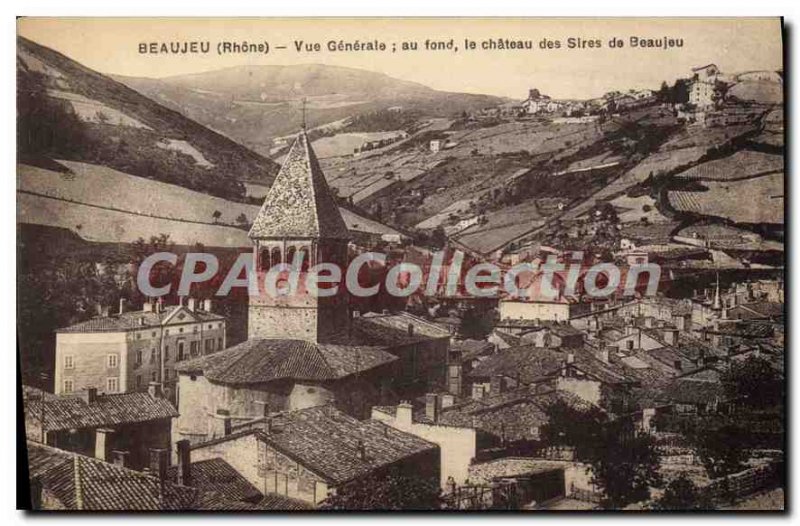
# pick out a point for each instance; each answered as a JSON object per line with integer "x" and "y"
{"x": 330, "y": 443}
{"x": 141, "y": 319}
{"x": 79, "y": 482}
{"x": 299, "y": 204}
{"x": 509, "y": 467}
{"x": 512, "y": 415}
{"x": 105, "y": 410}
{"x": 397, "y": 328}
{"x": 218, "y": 480}
{"x": 265, "y": 360}
{"x": 690, "y": 391}
{"x": 532, "y": 364}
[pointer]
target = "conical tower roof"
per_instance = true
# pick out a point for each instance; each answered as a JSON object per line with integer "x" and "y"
{"x": 299, "y": 204}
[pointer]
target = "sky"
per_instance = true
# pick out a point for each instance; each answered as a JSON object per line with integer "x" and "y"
{"x": 111, "y": 46}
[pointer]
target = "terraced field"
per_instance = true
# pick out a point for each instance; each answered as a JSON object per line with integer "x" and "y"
{"x": 756, "y": 200}
{"x": 740, "y": 165}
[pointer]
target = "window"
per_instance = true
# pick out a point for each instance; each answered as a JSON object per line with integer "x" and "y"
{"x": 138, "y": 358}
{"x": 138, "y": 381}
{"x": 153, "y": 334}
{"x": 193, "y": 348}
{"x": 629, "y": 343}
{"x": 166, "y": 332}
{"x": 154, "y": 376}
{"x": 138, "y": 335}
{"x": 112, "y": 384}
{"x": 180, "y": 330}
{"x": 166, "y": 352}
{"x": 69, "y": 362}
{"x": 181, "y": 350}
{"x": 153, "y": 356}
{"x": 112, "y": 361}
{"x": 166, "y": 374}
{"x": 194, "y": 329}
{"x": 210, "y": 326}
{"x": 219, "y": 343}
{"x": 209, "y": 345}
{"x": 68, "y": 385}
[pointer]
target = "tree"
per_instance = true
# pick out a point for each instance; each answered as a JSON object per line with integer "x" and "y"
{"x": 475, "y": 325}
{"x": 754, "y": 383}
{"x": 241, "y": 220}
{"x": 722, "y": 449}
{"x": 393, "y": 491}
{"x": 624, "y": 467}
{"x": 682, "y": 494}
{"x": 216, "y": 215}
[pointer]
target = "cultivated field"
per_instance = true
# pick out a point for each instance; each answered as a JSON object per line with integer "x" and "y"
{"x": 742, "y": 164}
{"x": 757, "y": 200}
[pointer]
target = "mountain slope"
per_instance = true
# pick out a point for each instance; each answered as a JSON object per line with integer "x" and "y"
{"x": 68, "y": 111}
{"x": 255, "y": 104}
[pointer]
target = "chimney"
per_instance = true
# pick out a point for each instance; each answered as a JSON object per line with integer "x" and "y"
{"x": 159, "y": 461}
{"x": 154, "y": 390}
{"x": 207, "y": 304}
{"x": 602, "y": 351}
{"x": 184, "y": 462}
{"x": 148, "y": 306}
{"x": 477, "y": 391}
{"x": 404, "y": 417}
{"x": 671, "y": 336}
{"x": 220, "y": 424}
{"x": 362, "y": 451}
{"x": 497, "y": 385}
{"x": 677, "y": 365}
{"x": 90, "y": 395}
{"x": 122, "y": 305}
{"x": 102, "y": 437}
{"x": 192, "y": 304}
{"x": 411, "y": 329}
{"x": 119, "y": 457}
{"x": 432, "y": 407}
{"x": 570, "y": 358}
{"x": 263, "y": 408}
{"x": 448, "y": 400}
{"x": 648, "y": 322}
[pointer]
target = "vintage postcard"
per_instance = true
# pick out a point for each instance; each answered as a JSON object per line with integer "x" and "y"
{"x": 450, "y": 264}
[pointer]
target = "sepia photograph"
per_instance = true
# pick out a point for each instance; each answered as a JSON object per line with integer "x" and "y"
{"x": 304, "y": 265}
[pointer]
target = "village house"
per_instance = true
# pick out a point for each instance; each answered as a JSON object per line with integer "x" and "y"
{"x": 120, "y": 427}
{"x": 125, "y": 351}
{"x": 311, "y": 453}
{"x": 62, "y": 480}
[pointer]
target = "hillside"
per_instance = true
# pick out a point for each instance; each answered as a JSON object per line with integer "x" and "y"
{"x": 256, "y": 104}
{"x": 68, "y": 111}
{"x": 103, "y": 205}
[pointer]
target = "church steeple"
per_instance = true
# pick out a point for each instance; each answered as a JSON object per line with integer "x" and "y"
{"x": 299, "y": 217}
{"x": 300, "y": 203}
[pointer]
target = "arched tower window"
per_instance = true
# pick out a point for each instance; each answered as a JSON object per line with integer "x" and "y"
{"x": 290, "y": 255}
{"x": 306, "y": 254}
{"x": 263, "y": 260}
{"x": 275, "y": 258}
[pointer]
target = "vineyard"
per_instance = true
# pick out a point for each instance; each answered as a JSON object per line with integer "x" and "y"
{"x": 758, "y": 200}
{"x": 740, "y": 165}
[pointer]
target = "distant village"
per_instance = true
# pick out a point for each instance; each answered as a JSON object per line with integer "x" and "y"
{"x": 463, "y": 403}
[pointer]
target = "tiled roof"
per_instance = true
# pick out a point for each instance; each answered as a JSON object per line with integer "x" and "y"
{"x": 299, "y": 204}
{"x": 219, "y": 481}
{"x": 531, "y": 364}
{"x": 73, "y": 412}
{"x": 392, "y": 329}
{"x": 326, "y": 441}
{"x": 471, "y": 349}
{"x": 260, "y": 361}
{"x": 271, "y": 502}
{"x": 132, "y": 320}
{"x": 692, "y": 391}
{"x": 84, "y": 483}
{"x": 486, "y": 472}
{"x": 513, "y": 414}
